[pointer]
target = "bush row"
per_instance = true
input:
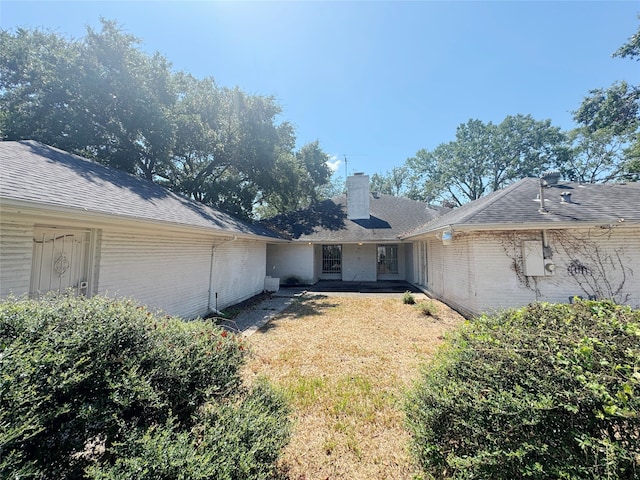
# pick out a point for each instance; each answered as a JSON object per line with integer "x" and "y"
{"x": 546, "y": 391}
{"x": 98, "y": 388}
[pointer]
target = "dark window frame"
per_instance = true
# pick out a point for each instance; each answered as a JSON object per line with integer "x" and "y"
{"x": 387, "y": 259}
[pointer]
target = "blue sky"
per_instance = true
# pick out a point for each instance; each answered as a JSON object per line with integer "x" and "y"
{"x": 377, "y": 81}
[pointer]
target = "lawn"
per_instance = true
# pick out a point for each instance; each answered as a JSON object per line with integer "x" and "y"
{"x": 345, "y": 363}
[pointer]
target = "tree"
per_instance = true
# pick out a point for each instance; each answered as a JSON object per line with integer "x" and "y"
{"x": 485, "y": 158}
{"x": 606, "y": 143}
{"x": 630, "y": 49}
{"x": 99, "y": 97}
{"x": 424, "y": 179}
{"x": 104, "y": 98}
{"x": 227, "y": 143}
{"x": 394, "y": 182}
{"x": 598, "y": 156}
{"x": 334, "y": 187}
{"x": 297, "y": 180}
{"x": 127, "y": 101}
{"x": 37, "y": 86}
{"x": 616, "y": 108}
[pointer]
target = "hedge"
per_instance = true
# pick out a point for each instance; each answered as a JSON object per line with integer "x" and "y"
{"x": 88, "y": 385}
{"x": 546, "y": 391}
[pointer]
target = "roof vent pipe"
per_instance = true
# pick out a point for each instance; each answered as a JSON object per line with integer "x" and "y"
{"x": 542, "y": 208}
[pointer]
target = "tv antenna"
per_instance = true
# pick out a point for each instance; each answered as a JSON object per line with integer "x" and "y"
{"x": 346, "y": 172}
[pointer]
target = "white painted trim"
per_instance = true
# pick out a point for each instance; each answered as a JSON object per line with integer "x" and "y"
{"x": 56, "y": 214}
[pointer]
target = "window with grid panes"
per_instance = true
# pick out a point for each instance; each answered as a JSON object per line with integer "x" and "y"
{"x": 331, "y": 258}
{"x": 387, "y": 259}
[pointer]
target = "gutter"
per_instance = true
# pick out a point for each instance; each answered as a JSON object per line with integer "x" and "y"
{"x": 83, "y": 215}
{"x": 524, "y": 226}
{"x": 213, "y": 256}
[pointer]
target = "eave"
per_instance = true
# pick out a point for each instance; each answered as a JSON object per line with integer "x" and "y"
{"x": 492, "y": 227}
{"x": 62, "y": 214}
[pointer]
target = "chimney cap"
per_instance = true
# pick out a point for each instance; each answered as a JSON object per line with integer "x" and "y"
{"x": 550, "y": 177}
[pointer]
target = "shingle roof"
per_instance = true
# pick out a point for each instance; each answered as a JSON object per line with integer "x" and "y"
{"x": 33, "y": 172}
{"x": 327, "y": 221}
{"x": 517, "y": 206}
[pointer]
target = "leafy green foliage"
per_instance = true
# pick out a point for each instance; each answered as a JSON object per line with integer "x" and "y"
{"x": 606, "y": 144}
{"x": 485, "y": 157}
{"x": 546, "y": 391}
{"x": 234, "y": 441}
{"x": 408, "y": 298}
{"x": 102, "y": 97}
{"x": 85, "y": 381}
{"x": 427, "y": 308}
{"x": 394, "y": 182}
{"x": 297, "y": 181}
{"x": 631, "y": 49}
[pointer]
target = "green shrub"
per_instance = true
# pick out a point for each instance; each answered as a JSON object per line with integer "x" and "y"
{"x": 78, "y": 372}
{"x": 408, "y": 298}
{"x": 234, "y": 441}
{"x": 427, "y": 308}
{"x": 546, "y": 391}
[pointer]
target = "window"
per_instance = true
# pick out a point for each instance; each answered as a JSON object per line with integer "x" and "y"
{"x": 387, "y": 259}
{"x": 332, "y": 259}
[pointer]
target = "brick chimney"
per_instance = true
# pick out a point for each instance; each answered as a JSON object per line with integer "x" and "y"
{"x": 358, "y": 197}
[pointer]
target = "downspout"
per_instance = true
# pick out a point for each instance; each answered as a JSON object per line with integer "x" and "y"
{"x": 213, "y": 256}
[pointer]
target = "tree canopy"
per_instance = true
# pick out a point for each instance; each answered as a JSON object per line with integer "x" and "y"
{"x": 103, "y": 97}
{"x": 484, "y": 157}
{"x": 606, "y": 142}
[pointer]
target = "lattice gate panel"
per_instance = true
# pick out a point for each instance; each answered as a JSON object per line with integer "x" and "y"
{"x": 60, "y": 261}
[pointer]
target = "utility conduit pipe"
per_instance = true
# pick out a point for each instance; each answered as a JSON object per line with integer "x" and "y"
{"x": 213, "y": 256}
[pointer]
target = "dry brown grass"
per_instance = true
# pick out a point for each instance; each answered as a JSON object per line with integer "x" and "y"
{"x": 345, "y": 364}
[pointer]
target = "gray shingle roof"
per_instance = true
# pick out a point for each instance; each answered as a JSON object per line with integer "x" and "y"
{"x": 517, "y": 206}
{"x": 33, "y": 172}
{"x": 327, "y": 221}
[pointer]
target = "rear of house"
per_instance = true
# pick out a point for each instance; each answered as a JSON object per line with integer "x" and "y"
{"x": 68, "y": 223}
{"x": 352, "y": 238}
{"x": 505, "y": 251}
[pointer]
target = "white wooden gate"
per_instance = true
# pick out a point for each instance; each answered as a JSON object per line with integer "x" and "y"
{"x": 60, "y": 261}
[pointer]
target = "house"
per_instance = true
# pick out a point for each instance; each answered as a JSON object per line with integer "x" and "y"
{"x": 355, "y": 237}
{"x": 536, "y": 240}
{"x": 67, "y": 222}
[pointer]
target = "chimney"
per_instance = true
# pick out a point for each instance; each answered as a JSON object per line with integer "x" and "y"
{"x": 358, "y": 197}
{"x": 565, "y": 197}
